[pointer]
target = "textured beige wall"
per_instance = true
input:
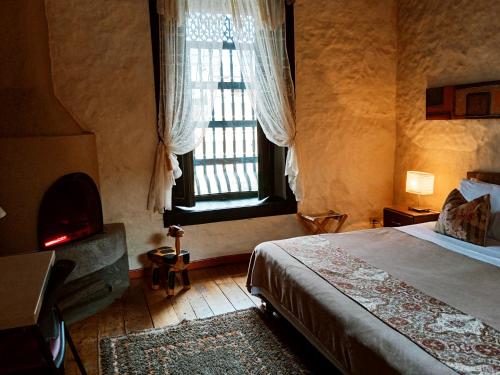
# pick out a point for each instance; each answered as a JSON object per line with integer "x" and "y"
{"x": 28, "y": 105}
{"x": 102, "y": 71}
{"x": 39, "y": 139}
{"x": 439, "y": 43}
{"x": 346, "y": 53}
{"x": 345, "y": 83}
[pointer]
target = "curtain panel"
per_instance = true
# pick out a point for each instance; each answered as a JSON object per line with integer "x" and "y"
{"x": 186, "y": 95}
{"x": 266, "y": 71}
{"x": 185, "y": 103}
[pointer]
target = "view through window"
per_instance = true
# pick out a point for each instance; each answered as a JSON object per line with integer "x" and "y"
{"x": 225, "y": 161}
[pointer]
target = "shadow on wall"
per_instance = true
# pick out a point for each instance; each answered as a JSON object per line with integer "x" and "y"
{"x": 156, "y": 239}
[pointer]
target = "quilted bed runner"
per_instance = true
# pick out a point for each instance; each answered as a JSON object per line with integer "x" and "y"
{"x": 458, "y": 340}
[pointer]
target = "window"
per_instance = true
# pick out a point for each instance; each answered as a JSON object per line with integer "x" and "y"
{"x": 225, "y": 162}
{"x": 234, "y": 172}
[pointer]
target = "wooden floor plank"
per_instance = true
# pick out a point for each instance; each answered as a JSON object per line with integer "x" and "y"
{"x": 195, "y": 298}
{"x": 238, "y": 273}
{"x": 85, "y": 336}
{"x": 213, "y": 291}
{"x": 160, "y": 307}
{"x": 239, "y": 269}
{"x": 112, "y": 320}
{"x": 70, "y": 367}
{"x": 182, "y": 307}
{"x": 212, "y": 294}
{"x": 136, "y": 313}
{"x": 238, "y": 298}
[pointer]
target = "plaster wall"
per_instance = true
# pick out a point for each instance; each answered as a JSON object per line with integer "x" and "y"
{"x": 102, "y": 72}
{"x": 346, "y": 88}
{"x": 440, "y": 43}
{"x": 29, "y": 106}
{"x": 28, "y": 166}
{"x": 39, "y": 140}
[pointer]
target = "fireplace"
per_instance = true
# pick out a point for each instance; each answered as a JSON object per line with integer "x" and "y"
{"x": 70, "y": 222}
{"x": 70, "y": 210}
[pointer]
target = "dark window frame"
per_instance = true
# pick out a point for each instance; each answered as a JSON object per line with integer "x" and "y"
{"x": 274, "y": 196}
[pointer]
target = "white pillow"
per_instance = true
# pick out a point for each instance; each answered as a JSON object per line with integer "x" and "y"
{"x": 471, "y": 190}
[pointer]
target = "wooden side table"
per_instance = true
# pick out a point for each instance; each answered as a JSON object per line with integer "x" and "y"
{"x": 166, "y": 257}
{"x": 399, "y": 216}
{"x": 318, "y": 223}
{"x": 174, "y": 260}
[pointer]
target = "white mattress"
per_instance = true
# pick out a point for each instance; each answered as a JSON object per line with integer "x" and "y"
{"x": 488, "y": 254}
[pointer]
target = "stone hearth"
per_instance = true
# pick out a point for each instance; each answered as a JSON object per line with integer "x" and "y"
{"x": 100, "y": 275}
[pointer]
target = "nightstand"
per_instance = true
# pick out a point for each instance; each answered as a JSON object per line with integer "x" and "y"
{"x": 399, "y": 216}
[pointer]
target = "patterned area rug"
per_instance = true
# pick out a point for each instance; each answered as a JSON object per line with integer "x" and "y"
{"x": 236, "y": 343}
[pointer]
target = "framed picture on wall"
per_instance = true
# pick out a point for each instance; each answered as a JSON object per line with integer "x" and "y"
{"x": 468, "y": 101}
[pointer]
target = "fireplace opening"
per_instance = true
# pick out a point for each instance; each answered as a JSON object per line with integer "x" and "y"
{"x": 70, "y": 210}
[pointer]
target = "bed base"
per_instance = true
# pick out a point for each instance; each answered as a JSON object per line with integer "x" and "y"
{"x": 272, "y": 306}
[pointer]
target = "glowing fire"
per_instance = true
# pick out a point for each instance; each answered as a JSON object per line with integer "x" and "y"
{"x": 57, "y": 240}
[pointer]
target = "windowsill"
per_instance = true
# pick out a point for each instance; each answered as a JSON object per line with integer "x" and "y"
{"x": 218, "y": 205}
{"x": 237, "y": 209}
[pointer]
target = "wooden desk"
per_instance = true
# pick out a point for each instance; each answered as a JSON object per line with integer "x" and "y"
{"x": 22, "y": 285}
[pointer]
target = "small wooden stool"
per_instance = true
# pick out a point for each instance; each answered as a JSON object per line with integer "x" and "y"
{"x": 174, "y": 260}
{"x": 317, "y": 223}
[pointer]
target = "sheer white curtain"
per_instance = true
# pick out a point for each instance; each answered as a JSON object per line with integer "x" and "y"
{"x": 186, "y": 96}
{"x": 266, "y": 72}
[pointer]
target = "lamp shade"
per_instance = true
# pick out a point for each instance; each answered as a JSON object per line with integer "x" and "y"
{"x": 421, "y": 183}
{"x": 2, "y": 212}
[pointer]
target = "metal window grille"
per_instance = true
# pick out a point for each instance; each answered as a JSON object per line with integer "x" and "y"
{"x": 225, "y": 162}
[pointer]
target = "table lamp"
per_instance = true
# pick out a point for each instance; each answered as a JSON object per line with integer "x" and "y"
{"x": 420, "y": 183}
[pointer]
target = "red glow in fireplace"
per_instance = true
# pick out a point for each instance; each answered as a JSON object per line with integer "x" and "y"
{"x": 70, "y": 210}
{"x": 57, "y": 241}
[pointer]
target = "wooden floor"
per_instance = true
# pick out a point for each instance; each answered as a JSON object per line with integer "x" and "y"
{"x": 214, "y": 291}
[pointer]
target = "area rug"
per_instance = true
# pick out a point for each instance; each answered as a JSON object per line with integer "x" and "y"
{"x": 241, "y": 342}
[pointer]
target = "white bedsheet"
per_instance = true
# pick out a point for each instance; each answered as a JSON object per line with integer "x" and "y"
{"x": 425, "y": 231}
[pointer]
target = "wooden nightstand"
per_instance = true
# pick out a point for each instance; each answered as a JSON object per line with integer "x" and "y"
{"x": 399, "y": 216}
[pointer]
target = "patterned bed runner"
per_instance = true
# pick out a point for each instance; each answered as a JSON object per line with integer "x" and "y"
{"x": 458, "y": 340}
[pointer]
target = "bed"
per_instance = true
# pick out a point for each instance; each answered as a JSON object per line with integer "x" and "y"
{"x": 455, "y": 283}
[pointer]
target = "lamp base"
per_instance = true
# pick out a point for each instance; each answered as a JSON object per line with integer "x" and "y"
{"x": 418, "y": 209}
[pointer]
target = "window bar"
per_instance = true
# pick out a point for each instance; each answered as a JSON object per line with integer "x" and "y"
{"x": 204, "y": 143}
{"x": 254, "y": 145}
{"x": 197, "y": 183}
{"x": 245, "y": 152}
{"x": 245, "y": 171}
{"x": 210, "y": 78}
{"x": 254, "y": 128}
{"x": 205, "y": 167}
{"x": 224, "y": 168}
{"x": 231, "y": 72}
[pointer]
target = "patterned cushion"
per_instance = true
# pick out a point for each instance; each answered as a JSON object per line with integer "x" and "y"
{"x": 466, "y": 221}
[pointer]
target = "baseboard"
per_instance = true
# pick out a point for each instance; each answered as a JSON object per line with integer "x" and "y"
{"x": 198, "y": 264}
{"x": 136, "y": 273}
